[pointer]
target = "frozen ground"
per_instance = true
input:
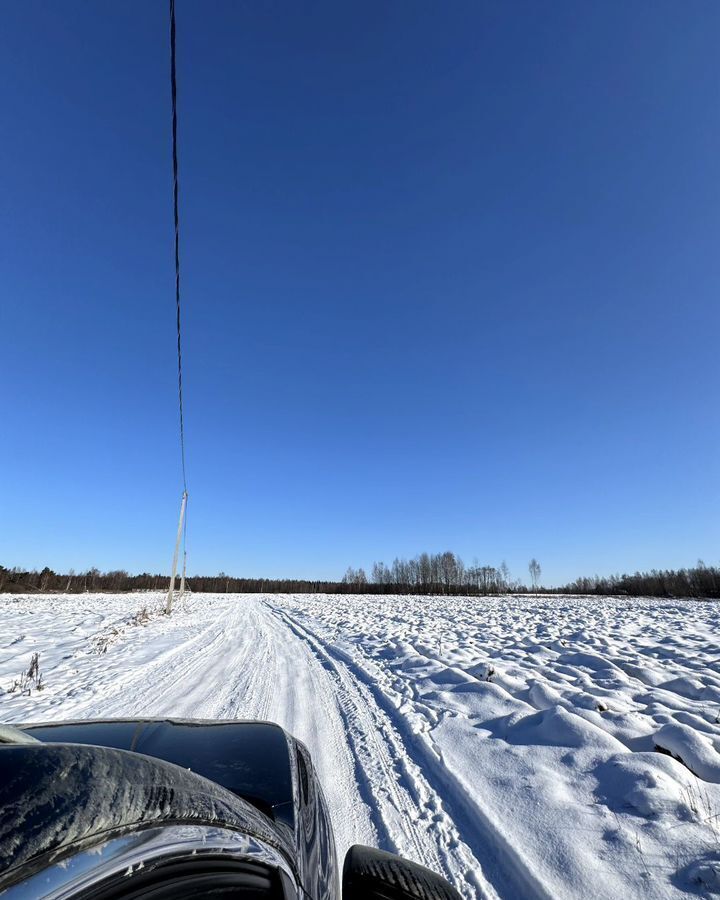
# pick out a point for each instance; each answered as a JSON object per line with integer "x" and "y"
{"x": 512, "y": 744}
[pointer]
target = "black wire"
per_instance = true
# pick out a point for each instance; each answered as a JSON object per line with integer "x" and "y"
{"x": 173, "y": 88}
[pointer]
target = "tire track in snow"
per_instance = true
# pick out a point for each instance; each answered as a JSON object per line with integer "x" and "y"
{"x": 232, "y": 674}
{"x": 303, "y": 702}
{"x": 349, "y": 724}
{"x": 412, "y": 813}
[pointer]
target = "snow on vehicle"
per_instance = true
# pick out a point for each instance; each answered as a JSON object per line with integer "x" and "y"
{"x": 131, "y": 808}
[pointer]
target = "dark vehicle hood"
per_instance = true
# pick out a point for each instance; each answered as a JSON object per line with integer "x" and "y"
{"x": 58, "y": 799}
{"x": 250, "y": 759}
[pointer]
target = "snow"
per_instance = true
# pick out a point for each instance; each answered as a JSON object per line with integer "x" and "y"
{"x": 524, "y": 747}
{"x": 692, "y": 748}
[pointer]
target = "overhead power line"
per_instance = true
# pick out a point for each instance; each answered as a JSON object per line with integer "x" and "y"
{"x": 173, "y": 88}
{"x": 182, "y": 524}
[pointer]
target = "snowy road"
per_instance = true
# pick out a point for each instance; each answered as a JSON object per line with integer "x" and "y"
{"x": 510, "y": 747}
{"x": 250, "y": 660}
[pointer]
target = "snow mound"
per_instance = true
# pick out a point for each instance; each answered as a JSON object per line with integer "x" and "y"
{"x": 559, "y": 727}
{"x": 648, "y": 784}
{"x": 692, "y": 749}
{"x": 542, "y": 696}
{"x": 685, "y": 686}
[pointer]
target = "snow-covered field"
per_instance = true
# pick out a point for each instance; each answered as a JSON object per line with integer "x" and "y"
{"x": 510, "y": 743}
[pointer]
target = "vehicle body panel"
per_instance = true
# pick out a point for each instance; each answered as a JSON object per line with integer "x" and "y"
{"x": 257, "y": 761}
{"x": 251, "y": 759}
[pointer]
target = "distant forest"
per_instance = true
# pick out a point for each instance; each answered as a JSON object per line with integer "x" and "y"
{"x": 440, "y": 573}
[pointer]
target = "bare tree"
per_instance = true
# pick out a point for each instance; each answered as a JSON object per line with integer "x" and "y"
{"x": 535, "y": 573}
{"x": 353, "y": 577}
{"x": 448, "y": 570}
{"x": 504, "y": 576}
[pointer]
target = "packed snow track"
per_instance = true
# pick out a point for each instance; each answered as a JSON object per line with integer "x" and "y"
{"x": 510, "y": 744}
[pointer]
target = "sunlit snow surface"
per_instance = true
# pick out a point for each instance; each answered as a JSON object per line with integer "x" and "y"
{"x": 512, "y": 744}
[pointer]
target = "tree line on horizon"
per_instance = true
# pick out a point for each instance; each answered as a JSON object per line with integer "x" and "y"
{"x": 445, "y": 573}
{"x": 441, "y": 573}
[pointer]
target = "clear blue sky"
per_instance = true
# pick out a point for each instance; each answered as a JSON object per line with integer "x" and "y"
{"x": 450, "y": 273}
